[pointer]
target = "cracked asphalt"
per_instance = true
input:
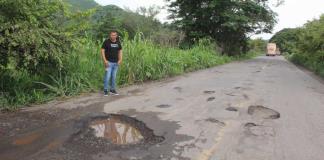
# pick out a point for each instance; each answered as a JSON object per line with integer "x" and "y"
{"x": 260, "y": 109}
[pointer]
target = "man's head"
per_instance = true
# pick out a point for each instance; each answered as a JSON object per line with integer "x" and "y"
{"x": 113, "y": 35}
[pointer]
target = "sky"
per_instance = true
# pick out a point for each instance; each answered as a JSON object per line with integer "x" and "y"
{"x": 291, "y": 14}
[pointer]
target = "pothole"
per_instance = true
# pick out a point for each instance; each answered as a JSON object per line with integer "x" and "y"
{"x": 211, "y": 99}
{"x": 209, "y": 92}
{"x": 258, "y": 130}
{"x": 179, "y": 89}
{"x": 250, "y": 124}
{"x": 263, "y": 112}
{"x": 233, "y": 109}
{"x": 163, "y": 106}
{"x": 246, "y": 96}
{"x": 230, "y": 94}
{"x": 118, "y": 130}
{"x": 213, "y": 120}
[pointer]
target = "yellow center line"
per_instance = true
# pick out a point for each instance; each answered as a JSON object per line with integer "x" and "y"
{"x": 208, "y": 153}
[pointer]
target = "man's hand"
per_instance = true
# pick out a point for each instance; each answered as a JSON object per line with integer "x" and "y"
{"x": 119, "y": 62}
{"x": 106, "y": 64}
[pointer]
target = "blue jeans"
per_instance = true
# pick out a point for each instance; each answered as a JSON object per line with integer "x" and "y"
{"x": 111, "y": 72}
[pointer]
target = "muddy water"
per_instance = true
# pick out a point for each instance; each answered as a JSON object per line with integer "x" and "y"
{"x": 116, "y": 131}
{"x": 59, "y": 134}
{"x": 27, "y": 144}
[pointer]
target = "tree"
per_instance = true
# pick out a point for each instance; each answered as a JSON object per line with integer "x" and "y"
{"x": 286, "y": 39}
{"x": 311, "y": 40}
{"x": 257, "y": 45}
{"x": 226, "y": 21}
{"x": 81, "y": 5}
{"x": 30, "y": 34}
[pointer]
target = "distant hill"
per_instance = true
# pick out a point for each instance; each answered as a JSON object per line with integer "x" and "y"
{"x": 82, "y": 5}
{"x": 113, "y": 10}
{"x": 110, "y": 17}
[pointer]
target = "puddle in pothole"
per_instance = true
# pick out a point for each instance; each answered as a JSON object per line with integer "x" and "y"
{"x": 116, "y": 131}
{"x": 121, "y": 130}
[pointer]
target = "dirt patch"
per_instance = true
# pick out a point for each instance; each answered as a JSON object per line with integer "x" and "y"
{"x": 263, "y": 112}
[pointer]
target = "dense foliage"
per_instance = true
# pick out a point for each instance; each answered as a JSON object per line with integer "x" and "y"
{"x": 286, "y": 39}
{"x": 228, "y": 22}
{"x": 30, "y": 34}
{"x": 81, "y": 5}
{"x": 304, "y": 45}
{"x": 51, "y": 49}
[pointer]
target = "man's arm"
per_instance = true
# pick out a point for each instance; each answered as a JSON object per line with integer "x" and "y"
{"x": 104, "y": 57}
{"x": 120, "y": 56}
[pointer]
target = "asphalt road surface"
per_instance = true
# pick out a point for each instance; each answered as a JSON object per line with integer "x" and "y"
{"x": 260, "y": 109}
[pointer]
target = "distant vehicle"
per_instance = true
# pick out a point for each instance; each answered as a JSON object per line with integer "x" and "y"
{"x": 278, "y": 51}
{"x": 271, "y": 49}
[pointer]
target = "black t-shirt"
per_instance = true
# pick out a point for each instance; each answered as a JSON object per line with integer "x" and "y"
{"x": 111, "y": 50}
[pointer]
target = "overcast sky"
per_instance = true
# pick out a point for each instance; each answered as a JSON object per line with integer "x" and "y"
{"x": 293, "y": 13}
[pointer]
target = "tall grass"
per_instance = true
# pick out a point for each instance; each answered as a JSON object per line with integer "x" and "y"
{"x": 311, "y": 62}
{"x": 83, "y": 70}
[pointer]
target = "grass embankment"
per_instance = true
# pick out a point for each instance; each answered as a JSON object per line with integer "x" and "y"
{"x": 83, "y": 70}
{"x": 311, "y": 63}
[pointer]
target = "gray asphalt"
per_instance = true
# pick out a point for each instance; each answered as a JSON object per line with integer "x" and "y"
{"x": 260, "y": 109}
{"x": 218, "y": 134}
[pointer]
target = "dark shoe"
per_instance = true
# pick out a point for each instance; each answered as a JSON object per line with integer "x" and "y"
{"x": 113, "y": 92}
{"x": 105, "y": 93}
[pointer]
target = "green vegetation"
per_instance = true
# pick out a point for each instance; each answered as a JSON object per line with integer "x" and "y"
{"x": 83, "y": 70}
{"x": 81, "y": 5}
{"x": 49, "y": 50}
{"x": 286, "y": 39}
{"x": 304, "y": 45}
{"x": 227, "y": 22}
{"x": 31, "y": 38}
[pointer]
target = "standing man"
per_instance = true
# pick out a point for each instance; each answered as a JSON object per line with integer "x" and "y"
{"x": 111, "y": 53}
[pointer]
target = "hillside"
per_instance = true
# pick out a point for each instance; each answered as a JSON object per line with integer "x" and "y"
{"x": 81, "y": 5}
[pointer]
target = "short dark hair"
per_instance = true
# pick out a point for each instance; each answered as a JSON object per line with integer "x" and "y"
{"x": 113, "y": 31}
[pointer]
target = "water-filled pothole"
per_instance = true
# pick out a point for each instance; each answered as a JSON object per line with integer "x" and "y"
{"x": 116, "y": 131}
{"x": 121, "y": 130}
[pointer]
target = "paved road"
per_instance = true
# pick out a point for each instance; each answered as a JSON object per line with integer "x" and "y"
{"x": 260, "y": 109}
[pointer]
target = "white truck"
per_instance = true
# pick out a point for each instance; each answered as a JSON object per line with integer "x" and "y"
{"x": 271, "y": 49}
